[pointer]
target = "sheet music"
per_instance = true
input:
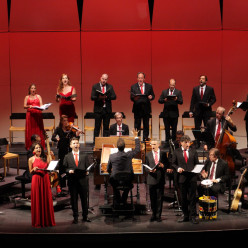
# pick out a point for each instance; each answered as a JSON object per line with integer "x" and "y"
{"x": 198, "y": 168}
{"x": 147, "y": 166}
{"x": 52, "y": 165}
{"x": 43, "y": 107}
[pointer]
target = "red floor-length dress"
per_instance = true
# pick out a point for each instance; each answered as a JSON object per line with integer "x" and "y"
{"x": 67, "y": 107}
{"x": 42, "y": 210}
{"x": 34, "y": 123}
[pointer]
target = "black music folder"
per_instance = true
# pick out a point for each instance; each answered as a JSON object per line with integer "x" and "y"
{"x": 170, "y": 96}
{"x": 242, "y": 105}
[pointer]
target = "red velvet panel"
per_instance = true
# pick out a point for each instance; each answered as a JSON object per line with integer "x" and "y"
{"x": 186, "y": 15}
{"x": 5, "y": 99}
{"x": 119, "y": 54}
{"x": 44, "y": 15}
{"x": 3, "y": 16}
{"x": 184, "y": 56}
{"x": 99, "y": 15}
{"x": 41, "y": 58}
{"x": 235, "y": 14}
{"x": 234, "y": 73}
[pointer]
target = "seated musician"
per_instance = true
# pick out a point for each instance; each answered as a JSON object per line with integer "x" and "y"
{"x": 119, "y": 128}
{"x": 122, "y": 162}
{"x": 215, "y": 169}
{"x": 215, "y": 126}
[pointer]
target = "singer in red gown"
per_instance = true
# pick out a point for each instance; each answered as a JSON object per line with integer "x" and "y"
{"x": 42, "y": 211}
{"x": 34, "y": 119}
{"x": 66, "y": 95}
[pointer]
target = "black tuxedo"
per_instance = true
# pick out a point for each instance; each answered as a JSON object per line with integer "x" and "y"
{"x": 78, "y": 182}
{"x": 142, "y": 107}
{"x": 102, "y": 113}
{"x": 121, "y": 162}
{"x": 113, "y": 129}
{"x": 187, "y": 180}
{"x": 156, "y": 181}
{"x": 170, "y": 112}
{"x": 201, "y": 112}
{"x": 222, "y": 172}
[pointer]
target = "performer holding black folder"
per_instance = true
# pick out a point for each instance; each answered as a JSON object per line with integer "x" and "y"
{"x": 171, "y": 97}
{"x": 158, "y": 162}
{"x": 142, "y": 94}
{"x": 102, "y": 94}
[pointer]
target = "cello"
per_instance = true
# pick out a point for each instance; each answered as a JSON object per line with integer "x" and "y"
{"x": 226, "y": 141}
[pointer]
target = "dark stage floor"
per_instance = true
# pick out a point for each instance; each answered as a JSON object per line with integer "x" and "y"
{"x": 15, "y": 217}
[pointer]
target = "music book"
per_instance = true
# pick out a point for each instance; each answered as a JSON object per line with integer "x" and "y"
{"x": 52, "y": 166}
{"x": 66, "y": 97}
{"x": 43, "y": 107}
{"x": 197, "y": 168}
{"x": 149, "y": 168}
{"x": 102, "y": 92}
{"x": 242, "y": 105}
{"x": 115, "y": 150}
{"x": 170, "y": 96}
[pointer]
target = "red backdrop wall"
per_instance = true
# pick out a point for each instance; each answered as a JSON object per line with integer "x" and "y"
{"x": 45, "y": 39}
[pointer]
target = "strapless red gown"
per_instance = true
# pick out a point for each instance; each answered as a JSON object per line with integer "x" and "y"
{"x": 34, "y": 123}
{"x": 42, "y": 211}
{"x": 67, "y": 107}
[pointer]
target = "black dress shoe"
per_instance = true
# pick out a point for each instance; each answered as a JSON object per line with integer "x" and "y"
{"x": 75, "y": 221}
{"x": 86, "y": 219}
{"x": 183, "y": 219}
{"x": 194, "y": 220}
{"x": 159, "y": 219}
{"x": 152, "y": 219}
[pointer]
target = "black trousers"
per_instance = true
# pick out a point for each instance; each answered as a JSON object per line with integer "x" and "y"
{"x": 79, "y": 188}
{"x": 102, "y": 118}
{"x": 137, "y": 124}
{"x": 202, "y": 117}
{"x": 188, "y": 196}
{"x": 156, "y": 197}
{"x": 170, "y": 123}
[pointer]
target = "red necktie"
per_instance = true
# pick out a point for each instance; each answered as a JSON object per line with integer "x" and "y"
{"x": 156, "y": 157}
{"x": 119, "y": 131}
{"x": 185, "y": 156}
{"x": 76, "y": 159}
{"x": 103, "y": 91}
{"x": 212, "y": 171}
{"x": 171, "y": 92}
{"x": 218, "y": 131}
{"x": 201, "y": 92}
{"x": 141, "y": 89}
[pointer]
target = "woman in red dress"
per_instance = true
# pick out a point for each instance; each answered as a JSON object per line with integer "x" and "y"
{"x": 34, "y": 120}
{"x": 66, "y": 94}
{"x": 42, "y": 211}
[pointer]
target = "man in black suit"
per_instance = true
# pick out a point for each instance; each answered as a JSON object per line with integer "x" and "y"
{"x": 142, "y": 94}
{"x": 102, "y": 94}
{"x": 203, "y": 97}
{"x": 184, "y": 160}
{"x": 76, "y": 164}
{"x": 214, "y": 127}
{"x": 122, "y": 162}
{"x": 171, "y": 97}
{"x": 215, "y": 169}
{"x": 119, "y": 128}
{"x": 156, "y": 178}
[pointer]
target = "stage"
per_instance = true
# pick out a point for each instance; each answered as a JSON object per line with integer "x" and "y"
{"x": 15, "y": 217}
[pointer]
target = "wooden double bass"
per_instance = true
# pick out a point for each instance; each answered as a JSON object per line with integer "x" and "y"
{"x": 226, "y": 141}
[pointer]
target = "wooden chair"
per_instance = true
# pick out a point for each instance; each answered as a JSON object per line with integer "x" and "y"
{"x": 8, "y": 155}
{"x": 160, "y": 127}
{"x": 186, "y": 127}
